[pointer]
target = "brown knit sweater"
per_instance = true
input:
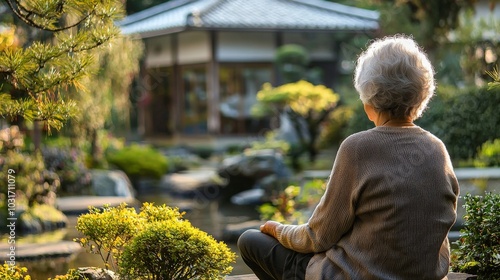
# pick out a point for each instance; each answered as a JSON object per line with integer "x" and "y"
{"x": 389, "y": 204}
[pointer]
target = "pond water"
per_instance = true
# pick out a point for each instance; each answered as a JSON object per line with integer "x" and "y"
{"x": 209, "y": 216}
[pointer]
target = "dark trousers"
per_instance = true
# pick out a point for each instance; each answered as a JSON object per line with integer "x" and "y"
{"x": 269, "y": 259}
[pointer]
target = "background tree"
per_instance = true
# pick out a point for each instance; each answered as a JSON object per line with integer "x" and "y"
{"x": 105, "y": 102}
{"x": 133, "y": 7}
{"x": 428, "y": 21}
{"x": 306, "y": 105}
{"x": 54, "y": 55}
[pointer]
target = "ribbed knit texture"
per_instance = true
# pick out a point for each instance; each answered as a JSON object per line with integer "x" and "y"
{"x": 389, "y": 204}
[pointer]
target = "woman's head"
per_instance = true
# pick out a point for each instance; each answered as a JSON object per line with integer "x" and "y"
{"x": 394, "y": 75}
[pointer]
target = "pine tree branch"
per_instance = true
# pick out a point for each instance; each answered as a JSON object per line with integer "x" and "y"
{"x": 25, "y": 15}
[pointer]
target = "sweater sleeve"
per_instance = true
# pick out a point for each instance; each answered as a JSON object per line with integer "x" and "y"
{"x": 335, "y": 213}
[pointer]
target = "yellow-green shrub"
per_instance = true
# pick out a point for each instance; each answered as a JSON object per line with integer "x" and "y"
{"x": 153, "y": 243}
{"x": 174, "y": 249}
{"x": 489, "y": 154}
{"x": 8, "y": 272}
{"x": 106, "y": 231}
{"x": 72, "y": 274}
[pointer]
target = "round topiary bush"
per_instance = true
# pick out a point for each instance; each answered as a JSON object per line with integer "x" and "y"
{"x": 156, "y": 243}
{"x": 139, "y": 162}
{"x": 174, "y": 249}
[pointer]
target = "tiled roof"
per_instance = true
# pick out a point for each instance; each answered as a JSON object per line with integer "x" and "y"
{"x": 311, "y": 15}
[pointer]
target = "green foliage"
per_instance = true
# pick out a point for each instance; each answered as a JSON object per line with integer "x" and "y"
{"x": 293, "y": 54}
{"x": 282, "y": 207}
{"x": 204, "y": 152}
{"x": 311, "y": 193}
{"x": 332, "y": 132}
{"x": 359, "y": 121}
{"x": 304, "y": 103}
{"x": 429, "y": 21}
{"x": 479, "y": 245}
{"x": 105, "y": 102}
{"x": 72, "y": 274}
{"x": 478, "y": 49}
{"x": 292, "y": 60}
{"x": 464, "y": 120}
{"x": 69, "y": 165}
{"x": 154, "y": 213}
{"x": 35, "y": 74}
{"x": 139, "y": 162}
{"x": 33, "y": 182}
{"x": 106, "y": 231}
{"x": 271, "y": 143}
{"x": 47, "y": 216}
{"x": 174, "y": 249}
{"x": 11, "y": 139}
{"x": 489, "y": 154}
{"x": 495, "y": 75}
{"x": 137, "y": 6}
{"x": 35, "y": 186}
{"x": 286, "y": 206}
{"x": 8, "y": 272}
{"x": 153, "y": 244}
{"x": 302, "y": 97}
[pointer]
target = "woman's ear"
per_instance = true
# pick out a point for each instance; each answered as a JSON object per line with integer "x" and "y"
{"x": 371, "y": 113}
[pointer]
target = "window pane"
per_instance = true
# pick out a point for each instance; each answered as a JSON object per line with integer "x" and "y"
{"x": 239, "y": 87}
{"x": 194, "y": 117}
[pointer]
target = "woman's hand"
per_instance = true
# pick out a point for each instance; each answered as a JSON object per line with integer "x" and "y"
{"x": 269, "y": 228}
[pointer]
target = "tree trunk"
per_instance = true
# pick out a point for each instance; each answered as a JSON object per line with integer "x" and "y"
{"x": 37, "y": 135}
{"x": 95, "y": 149}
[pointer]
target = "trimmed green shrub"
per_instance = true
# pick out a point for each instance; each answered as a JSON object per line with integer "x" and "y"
{"x": 204, "y": 152}
{"x": 292, "y": 61}
{"x": 479, "y": 245}
{"x": 174, "y": 249}
{"x": 106, "y": 231}
{"x": 139, "y": 162}
{"x": 153, "y": 244}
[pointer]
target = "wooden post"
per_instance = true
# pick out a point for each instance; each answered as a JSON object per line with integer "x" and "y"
{"x": 213, "y": 120}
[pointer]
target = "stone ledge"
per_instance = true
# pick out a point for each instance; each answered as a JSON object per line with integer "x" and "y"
{"x": 451, "y": 276}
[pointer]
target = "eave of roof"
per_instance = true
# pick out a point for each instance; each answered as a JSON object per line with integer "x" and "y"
{"x": 250, "y": 15}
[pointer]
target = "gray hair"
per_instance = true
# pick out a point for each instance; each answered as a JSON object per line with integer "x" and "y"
{"x": 394, "y": 74}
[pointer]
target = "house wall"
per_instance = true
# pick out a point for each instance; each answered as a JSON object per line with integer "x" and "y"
{"x": 245, "y": 47}
{"x": 158, "y": 51}
{"x": 319, "y": 45}
{"x": 194, "y": 47}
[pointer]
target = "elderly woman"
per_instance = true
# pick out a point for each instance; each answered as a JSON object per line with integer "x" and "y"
{"x": 391, "y": 197}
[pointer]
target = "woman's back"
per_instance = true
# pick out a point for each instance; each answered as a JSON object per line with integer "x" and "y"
{"x": 403, "y": 204}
